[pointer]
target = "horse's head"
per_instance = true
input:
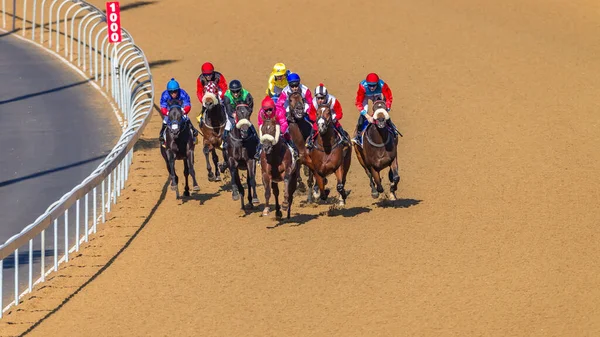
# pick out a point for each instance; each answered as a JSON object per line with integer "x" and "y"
{"x": 296, "y": 104}
{"x": 323, "y": 118}
{"x": 269, "y": 134}
{"x": 243, "y": 112}
{"x": 380, "y": 114}
{"x": 209, "y": 100}
{"x": 175, "y": 119}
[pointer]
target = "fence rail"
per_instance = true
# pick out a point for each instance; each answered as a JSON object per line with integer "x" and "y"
{"x": 120, "y": 71}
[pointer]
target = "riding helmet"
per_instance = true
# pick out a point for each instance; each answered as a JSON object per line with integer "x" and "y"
{"x": 321, "y": 91}
{"x": 293, "y": 78}
{"x": 172, "y": 85}
{"x": 268, "y": 103}
{"x": 208, "y": 68}
{"x": 279, "y": 69}
{"x": 372, "y": 79}
{"x": 235, "y": 85}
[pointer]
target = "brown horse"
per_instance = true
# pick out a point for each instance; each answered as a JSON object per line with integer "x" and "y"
{"x": 212, "y": 129}
{"x": 277, "y": 165}
{"x": 241, "y": 149}
{"x": 179, "y": 145}
{"x": 330, "y": 154}
{"x": 299, "y": 128}
{"x": 379, "y": 150}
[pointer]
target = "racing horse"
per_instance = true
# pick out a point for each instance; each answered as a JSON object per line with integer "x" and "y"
{"x": 379, "y": 150}
{"x": 299, "y": 128}
{"x": 277, "y": 164}
{"x": 212, "y": 128}
{"x": 241, "y": 149}
{"x": 179, "y": 145}
{"x": 329, "y": 155}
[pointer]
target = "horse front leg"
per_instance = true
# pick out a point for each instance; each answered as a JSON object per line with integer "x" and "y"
{"x": 174, "y": 177}
{"x": 341, "y": 182}
{"x": 311, "y": 183}
{"x": 190, "y": 162}
{"x": 186, "y": 174}
{"x": 301, "y": 185}
{"x": 291, "y": 188}
{"x": 206, "y": 150}
{"x": 215, "y": 159}
{"x": 377, "y": 180}
{"x": 251, "y": 179}
{"x": 321, "y": 183}
{"x": 275, "y": 188}
{"x": 394, "y": 179}
{"x": 267, "y": 184}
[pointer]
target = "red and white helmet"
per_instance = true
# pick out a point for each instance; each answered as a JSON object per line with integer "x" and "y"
{"x": 208, "y": 68}
{"x": 321, "y": 91}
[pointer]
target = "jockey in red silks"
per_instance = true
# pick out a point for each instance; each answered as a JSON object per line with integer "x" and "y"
{"x": 271, "y": 111}
{"x": 372, "y": 88}
{"x": 174, "y": 92}
{"x": 209, "y": 75}
{"x": 322, "y": 96}
{"x": 293, "y": 86}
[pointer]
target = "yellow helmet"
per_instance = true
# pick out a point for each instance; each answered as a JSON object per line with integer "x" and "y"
{"x": 279, "y": 69}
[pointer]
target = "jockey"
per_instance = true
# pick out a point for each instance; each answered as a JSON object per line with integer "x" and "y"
{"x": 209, "y": 75}
{"x": 372, "y": 88}
{"x": 233, "y": 97}
{"x": 270, "y": 110}
{"x": 174, "y": 92}
{"x": 277, "y": 81}
{"x": 322, "y": 96}
{"x": 294, "y": 85}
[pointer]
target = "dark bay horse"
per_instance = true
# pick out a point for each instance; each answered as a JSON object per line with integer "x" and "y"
{"x": 277, "y": 165}
{"x": 179, "y": 145}
{"x": 299, "y": 127}
{"x": 241, "y": 149}
{"x": 379, "y": 150}
{"x": 330, "y": 154}
{"x": 212, "y": 129}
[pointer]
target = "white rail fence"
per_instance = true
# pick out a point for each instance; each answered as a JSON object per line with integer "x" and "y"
{"x": 76, "y": 31}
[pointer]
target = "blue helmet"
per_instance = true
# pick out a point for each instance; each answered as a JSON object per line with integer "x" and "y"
{"x": 172, "y": 85}
{"x": 293, "y": 77}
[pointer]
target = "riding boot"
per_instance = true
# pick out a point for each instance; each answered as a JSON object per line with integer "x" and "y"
{"x": 161, "y": 135}
{"x": 310, "y": 141}
{"x": 224, "y": 138}
{"x": 258, "y": 151}
{"x": 194, "y": 131}
{"x": 343, "y": 133}
{"x": 393, "y": 127}
{"x": 293, "y": 147}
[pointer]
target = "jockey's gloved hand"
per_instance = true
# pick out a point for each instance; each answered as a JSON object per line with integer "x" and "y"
{"x": 364, "y": 112}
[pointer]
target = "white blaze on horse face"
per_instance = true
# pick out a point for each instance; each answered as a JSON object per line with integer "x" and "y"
{"x": 174, "y": 126}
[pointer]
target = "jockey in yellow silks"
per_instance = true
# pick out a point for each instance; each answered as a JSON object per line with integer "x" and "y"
{"x": 277, "y": 81}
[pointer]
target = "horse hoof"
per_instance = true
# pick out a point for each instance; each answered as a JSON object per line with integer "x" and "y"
{"x": 186, "y": 193}
{"x": 375, "y": 195}
{"x": 325, "y": 194}
{"x": 173, "y": 187}
{"x": 392, "y": 197}
{"x": 301, "y": 187}
{"x": 380, "y": 190}
{"x": 266, "y": 211}
{"x": 278, "y": 214}
{"x": 255, "y": 201}
{"x": 218, "y": 178}
{"x": 211, "y": 177}
{"x": 342, "y": 203}
{"x": 235, "y": 195}
{"x": 196, "y": 188}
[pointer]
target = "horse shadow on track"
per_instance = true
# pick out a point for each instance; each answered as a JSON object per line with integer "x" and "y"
{"x": 400, "y": 203}
{"x": 294, "y": 221}
{"x": 201, "y": 197}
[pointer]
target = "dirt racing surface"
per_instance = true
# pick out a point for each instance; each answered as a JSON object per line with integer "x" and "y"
{"x": 496, "y": 232}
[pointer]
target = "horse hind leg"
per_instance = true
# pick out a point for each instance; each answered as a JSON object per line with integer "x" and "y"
{"x": 252, "y": 183}
{"x": 301, "y": 185}
{"x": 215, "y": 159}
{"x": 339, "y": 174}
{"x": 190, "y": 162}
{"x": 211, "y": 175}
{"x": 311, "y": 183}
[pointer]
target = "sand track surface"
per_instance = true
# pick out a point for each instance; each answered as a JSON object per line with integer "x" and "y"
{"x": 496, "y": 232}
